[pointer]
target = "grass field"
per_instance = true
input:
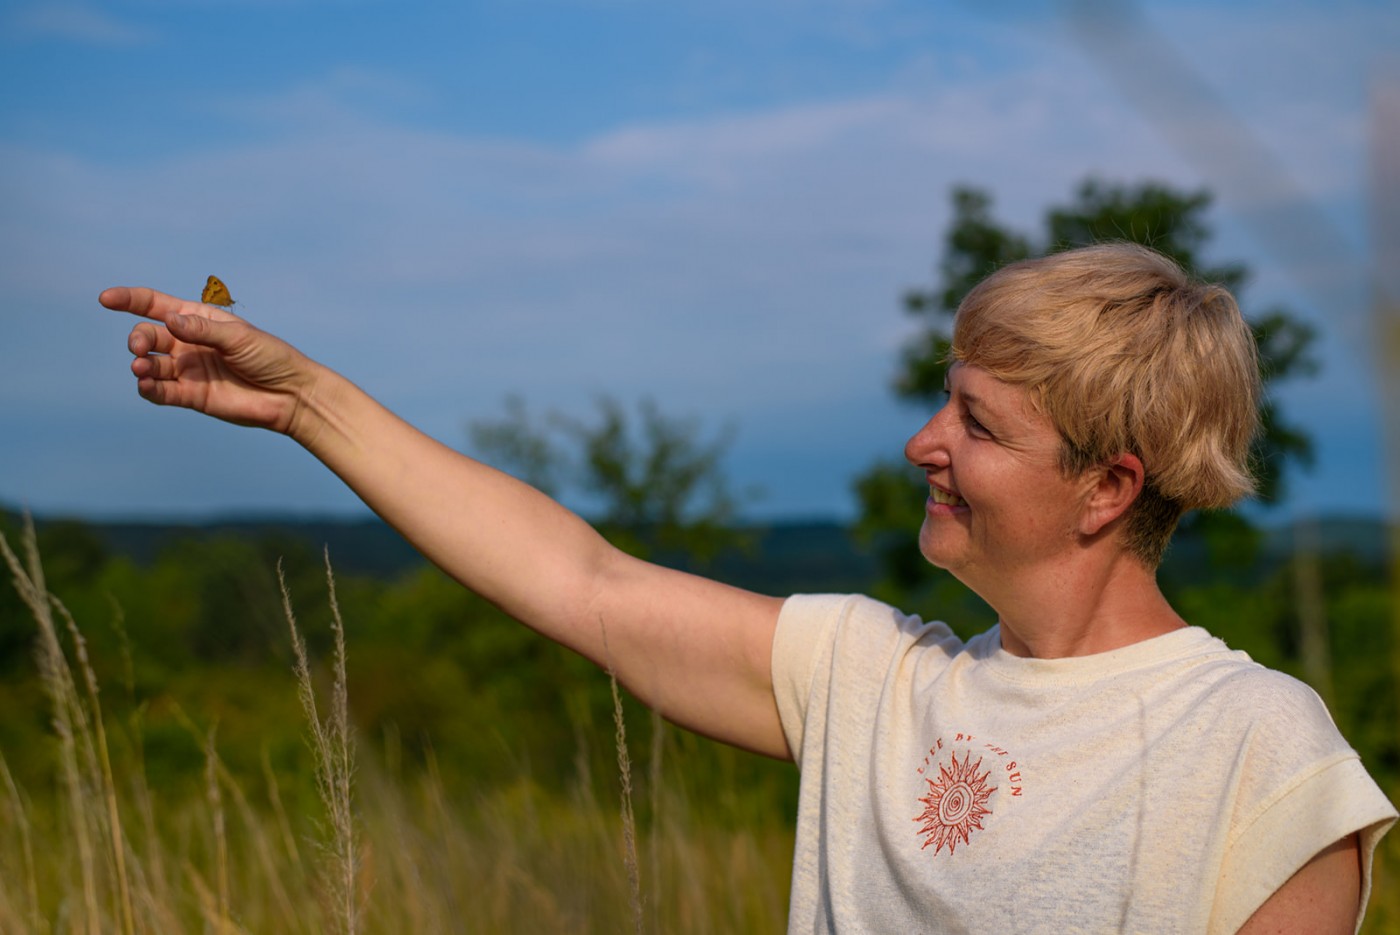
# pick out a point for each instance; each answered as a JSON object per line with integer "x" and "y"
{"x": 379, "y": 848}
{"x": 102, "y": 851}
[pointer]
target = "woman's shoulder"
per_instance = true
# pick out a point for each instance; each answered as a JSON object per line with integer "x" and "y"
{"x": 1265, "y": 705}
{"x": 859, "y": 613}
{"x": 854, "y": 631}
{"x": 1235, "y": 673}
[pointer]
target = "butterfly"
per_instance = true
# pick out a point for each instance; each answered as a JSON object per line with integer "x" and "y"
{"x": 216, "y": 293}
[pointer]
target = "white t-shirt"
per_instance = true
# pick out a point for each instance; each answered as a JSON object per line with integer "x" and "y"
{"x": 1169, "y": 786}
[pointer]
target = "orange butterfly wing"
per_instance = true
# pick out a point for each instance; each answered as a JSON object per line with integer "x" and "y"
{"x": 216, "y": 293}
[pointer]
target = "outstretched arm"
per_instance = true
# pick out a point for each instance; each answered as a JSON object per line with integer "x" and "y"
{"x": 696, "y": 650}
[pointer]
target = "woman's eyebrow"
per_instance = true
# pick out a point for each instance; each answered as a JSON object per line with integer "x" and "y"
{"x": 972, "y": 399}
{"x": 983, "y": 409}
{"x": 967, "y": 396}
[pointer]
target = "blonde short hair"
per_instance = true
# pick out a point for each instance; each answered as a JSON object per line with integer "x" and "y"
{"x": 1126, "y": 353}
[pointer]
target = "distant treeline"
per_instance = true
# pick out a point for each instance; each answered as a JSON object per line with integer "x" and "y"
{"x": 782, "y": 556}
{"x": 188, "y": 618}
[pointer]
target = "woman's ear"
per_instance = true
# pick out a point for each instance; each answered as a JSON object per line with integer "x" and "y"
{"x": 1117, "y": 484}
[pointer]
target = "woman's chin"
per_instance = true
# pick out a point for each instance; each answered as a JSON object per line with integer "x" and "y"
{"x": 937, "y": 548}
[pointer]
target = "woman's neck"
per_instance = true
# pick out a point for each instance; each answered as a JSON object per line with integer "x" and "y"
{"x": 1083, "y": 610}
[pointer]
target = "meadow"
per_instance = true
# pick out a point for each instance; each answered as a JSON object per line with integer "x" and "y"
{"x": 227, "y": 740}
{"x": 102, "y": 840}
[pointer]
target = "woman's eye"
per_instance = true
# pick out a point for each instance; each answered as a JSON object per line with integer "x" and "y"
{"x": 969, "y": 420}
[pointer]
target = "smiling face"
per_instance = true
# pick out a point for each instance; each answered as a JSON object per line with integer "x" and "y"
{"x": 1130, "y": 355}
{"x": 998, "y": 503}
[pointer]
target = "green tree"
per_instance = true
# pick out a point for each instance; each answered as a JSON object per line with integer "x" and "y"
{"x": 1171, "y": 221}
{"x": 651, "y": 483}
{"x": 654, "y": 485}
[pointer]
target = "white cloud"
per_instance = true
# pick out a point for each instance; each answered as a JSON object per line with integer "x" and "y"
{"x": 339, "y": 100}
{"x": 72, "y": 21}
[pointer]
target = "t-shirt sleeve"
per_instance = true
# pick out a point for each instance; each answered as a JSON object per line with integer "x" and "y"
{"x": 836, "y": 649}
{"x": 1321, "y": 801}
{"x": 806, "y": 628}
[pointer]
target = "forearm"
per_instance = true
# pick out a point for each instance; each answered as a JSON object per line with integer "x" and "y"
{"x": 696, "y": 650}
{"x": 489, "y": 531}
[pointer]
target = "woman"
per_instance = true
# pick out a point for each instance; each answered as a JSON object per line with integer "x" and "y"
{"x": 1090, "y": 763}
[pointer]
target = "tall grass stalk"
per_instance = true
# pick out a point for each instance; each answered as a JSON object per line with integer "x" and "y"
{"x": 20, "y": 816}
{"x": 624, "y": 768}
{"x": 118, "y": 624}
{"x": 658, "y": 745}
{"x": 334, "y": 752}
{"x": 217, "y": 776}
{"x": 156, "y": 892}
{"x": 274, "y": 795}
{"x": 57, "y": 680}
{"x": 220, "y": 839}
{"x": 109, "y": 787}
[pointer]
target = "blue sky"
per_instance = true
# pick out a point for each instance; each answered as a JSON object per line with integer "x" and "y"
{"x": 716, "y": 205}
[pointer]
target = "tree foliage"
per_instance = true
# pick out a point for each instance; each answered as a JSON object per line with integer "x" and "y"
{"x": 648, "y": 482}
{"x": 976, "y": 244}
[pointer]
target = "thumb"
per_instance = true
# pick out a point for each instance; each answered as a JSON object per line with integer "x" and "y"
{"x": 196, "y": 329}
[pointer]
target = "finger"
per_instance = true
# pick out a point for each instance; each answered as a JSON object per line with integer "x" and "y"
{"x": 196, "y": 329}
{"x": 146, "y": 338}
{"x": 148, "y": 303}
{"x": 155, "y": 367}
{"x": 162, "y": 392}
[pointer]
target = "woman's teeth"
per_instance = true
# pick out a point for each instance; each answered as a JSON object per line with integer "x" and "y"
{"x": 947, "y": 499}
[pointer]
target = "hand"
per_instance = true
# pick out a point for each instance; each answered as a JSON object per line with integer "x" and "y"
{"x": 208, "y": 359}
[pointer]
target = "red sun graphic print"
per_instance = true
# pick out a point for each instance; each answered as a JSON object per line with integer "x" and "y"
{"x": 955, "y": 804}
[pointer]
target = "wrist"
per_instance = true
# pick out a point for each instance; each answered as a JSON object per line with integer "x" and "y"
{"x": 314, "y": 404}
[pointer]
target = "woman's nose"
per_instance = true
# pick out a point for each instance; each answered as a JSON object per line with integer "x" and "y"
{"x": 926, "y": 448}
